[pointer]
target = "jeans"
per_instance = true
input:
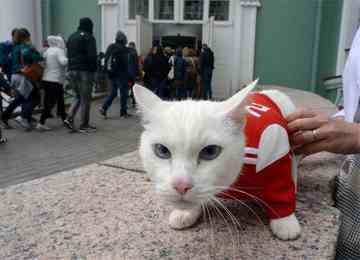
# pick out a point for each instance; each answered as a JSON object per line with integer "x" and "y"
{"x": 82, "y": 85}
{"x": 181, "y": 92}
{"x": 206, "y": 78}
{"x": 116, "y": 84}
{"x": 26, "y": 108}
{"x": 158, "y": 86}
{"x": 54, "y": 94}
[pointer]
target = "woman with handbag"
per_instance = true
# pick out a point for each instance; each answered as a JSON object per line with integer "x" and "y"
{"x": 25, "y": 70}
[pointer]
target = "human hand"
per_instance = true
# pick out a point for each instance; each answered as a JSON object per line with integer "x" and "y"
{"x": 312, "y": 132}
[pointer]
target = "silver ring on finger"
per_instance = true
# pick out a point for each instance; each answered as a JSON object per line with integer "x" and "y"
{"x": 315, "y": 134}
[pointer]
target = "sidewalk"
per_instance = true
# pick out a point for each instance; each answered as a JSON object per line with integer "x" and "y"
{"x": 107, "y": 210}
{"x": 31, "y": 155}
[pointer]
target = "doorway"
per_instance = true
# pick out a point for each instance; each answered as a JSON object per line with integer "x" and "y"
{"x": 178, "y": 35}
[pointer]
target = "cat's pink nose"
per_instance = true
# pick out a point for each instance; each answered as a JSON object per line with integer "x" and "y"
{"x": 182, "y": 187}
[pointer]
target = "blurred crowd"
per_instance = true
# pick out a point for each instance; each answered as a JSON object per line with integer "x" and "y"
{"x": 32, "y": 78}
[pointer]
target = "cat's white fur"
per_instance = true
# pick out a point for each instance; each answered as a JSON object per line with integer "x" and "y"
{"x": 185, "y": 128}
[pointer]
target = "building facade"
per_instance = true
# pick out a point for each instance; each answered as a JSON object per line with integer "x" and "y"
{"x": 283, "y": 42}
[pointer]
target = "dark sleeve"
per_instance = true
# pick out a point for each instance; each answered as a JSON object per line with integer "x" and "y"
{"x": 92, "y": 53}
{"x": 108, "y": 53}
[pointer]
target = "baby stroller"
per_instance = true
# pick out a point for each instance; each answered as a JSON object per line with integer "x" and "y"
{"x": 5, "y": 92}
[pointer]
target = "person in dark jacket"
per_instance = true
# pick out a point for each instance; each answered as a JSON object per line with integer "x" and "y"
{"x": 206, "y": 71}
{"x": 6, "y": 49}
{"x": 158, "y": 71}
{"x": 82, "y": 55}
{"x": 180, "y": 74}
{"x": 134, "y": 68}
{"x": 147, "y": 69}
{"x": 117, "y": 65}
{"x": 26, "y": 91}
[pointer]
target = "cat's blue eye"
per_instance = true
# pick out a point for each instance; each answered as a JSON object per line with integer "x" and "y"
{"x": 210, "y": 152}
{"x": 162, "y": 151}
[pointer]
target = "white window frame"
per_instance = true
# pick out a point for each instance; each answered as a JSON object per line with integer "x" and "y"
{"x": 152, "y": 12}
{"x": 127, "y": 14}
{"x": 182, "y": 12}
{"x": 225, "y": 22}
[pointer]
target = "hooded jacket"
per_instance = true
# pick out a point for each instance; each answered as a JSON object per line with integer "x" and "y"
{"x": 120, "y": 53}
{"x": 55, "y": 60}
{"x": 81, "y": 47}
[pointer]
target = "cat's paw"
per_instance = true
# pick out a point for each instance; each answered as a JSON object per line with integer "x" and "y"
{"x": 287, "y": 228}
{"x": 184, "y": 218}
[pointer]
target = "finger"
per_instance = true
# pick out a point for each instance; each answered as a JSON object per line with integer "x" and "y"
{"x": 302, "y": 138}
{"x": 313, "y": 148}
{"x": 304, "y": 124}
{"x": 309, "y": 136}
{"x": 300, "y": 113}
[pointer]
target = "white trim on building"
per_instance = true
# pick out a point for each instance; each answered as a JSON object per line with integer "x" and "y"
{"x": 350, "y": 21}
{"x": 232, "y": 40}
{"x": 20, "y": 13}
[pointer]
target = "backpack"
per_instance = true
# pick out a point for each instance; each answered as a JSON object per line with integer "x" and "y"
{"x": 179, "y": 68}
{"x": 133, "y": 63}
{"x": 115, "y": 64}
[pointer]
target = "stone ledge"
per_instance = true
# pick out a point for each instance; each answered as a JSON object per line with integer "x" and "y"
{"x": 105, "y": 212}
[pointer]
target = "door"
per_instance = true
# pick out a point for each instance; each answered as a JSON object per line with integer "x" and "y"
{"x": 208, "y": 32}
{"x": 144, "y": 35}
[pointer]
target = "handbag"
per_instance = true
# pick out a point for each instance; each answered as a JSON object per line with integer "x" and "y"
{"x": 33, "y": 72}
{"x": 171, "y": 73}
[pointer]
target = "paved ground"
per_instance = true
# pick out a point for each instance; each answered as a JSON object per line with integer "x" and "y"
{"x": 31, "y": 155}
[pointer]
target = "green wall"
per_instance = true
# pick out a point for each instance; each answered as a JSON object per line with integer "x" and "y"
{"x": 285, "y": 42}
{"x": 65, "y": 15}
{"x": 329, "y": 40}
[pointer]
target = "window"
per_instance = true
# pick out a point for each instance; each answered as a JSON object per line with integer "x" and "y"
{"x": 138, "y": 7}
{"x": 219, "y": 9}
{"x": 193, "y": 9}
{"x": 164, "y": 9}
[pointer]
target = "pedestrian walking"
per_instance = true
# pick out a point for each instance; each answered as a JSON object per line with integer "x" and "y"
{"x": 191, "y": 72}
{"x": 206, "y": 71}
{"x": 53, "y": 80}
{"x": 24, "y": 71}
{"x": 180, "y": 74}
{"x": 82, "y": 55}
{"x": 159, "y": 70}
{"x": 134, "y": 69}
{"x": 117, "y": 66}
{"x": 6, "y": 50}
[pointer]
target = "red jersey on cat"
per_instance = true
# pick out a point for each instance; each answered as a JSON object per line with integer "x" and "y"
{"x": 266, "y": 173}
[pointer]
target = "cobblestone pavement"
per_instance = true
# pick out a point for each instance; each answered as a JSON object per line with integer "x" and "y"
{"x": 31, "y": 155}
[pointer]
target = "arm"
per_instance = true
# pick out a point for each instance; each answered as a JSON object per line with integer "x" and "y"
{"x": 92, "y": 53}
{"x": 61, "y": 57}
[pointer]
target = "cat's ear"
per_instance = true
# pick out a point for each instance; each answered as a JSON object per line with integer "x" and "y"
{"x": 234, "y": 107}
{"x": 146, "y": 99}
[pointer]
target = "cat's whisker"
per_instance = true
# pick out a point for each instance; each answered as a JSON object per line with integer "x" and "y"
{"x": 212, "y": 245}
{"x": 257, "y": 199}
{"x": 235, "y": 223}
{"x": 248, "y": 207}
{"x": 228, "y": 226}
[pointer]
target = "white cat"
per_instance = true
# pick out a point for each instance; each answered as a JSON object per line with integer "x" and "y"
{"x": 194, "y": 150}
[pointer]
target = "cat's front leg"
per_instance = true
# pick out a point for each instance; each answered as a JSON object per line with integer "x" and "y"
{"x": 184, "y": 217}
{"x": 287, "y": 228}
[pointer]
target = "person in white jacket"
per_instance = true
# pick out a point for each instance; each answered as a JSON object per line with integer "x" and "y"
{"x": 53, "y": 80}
